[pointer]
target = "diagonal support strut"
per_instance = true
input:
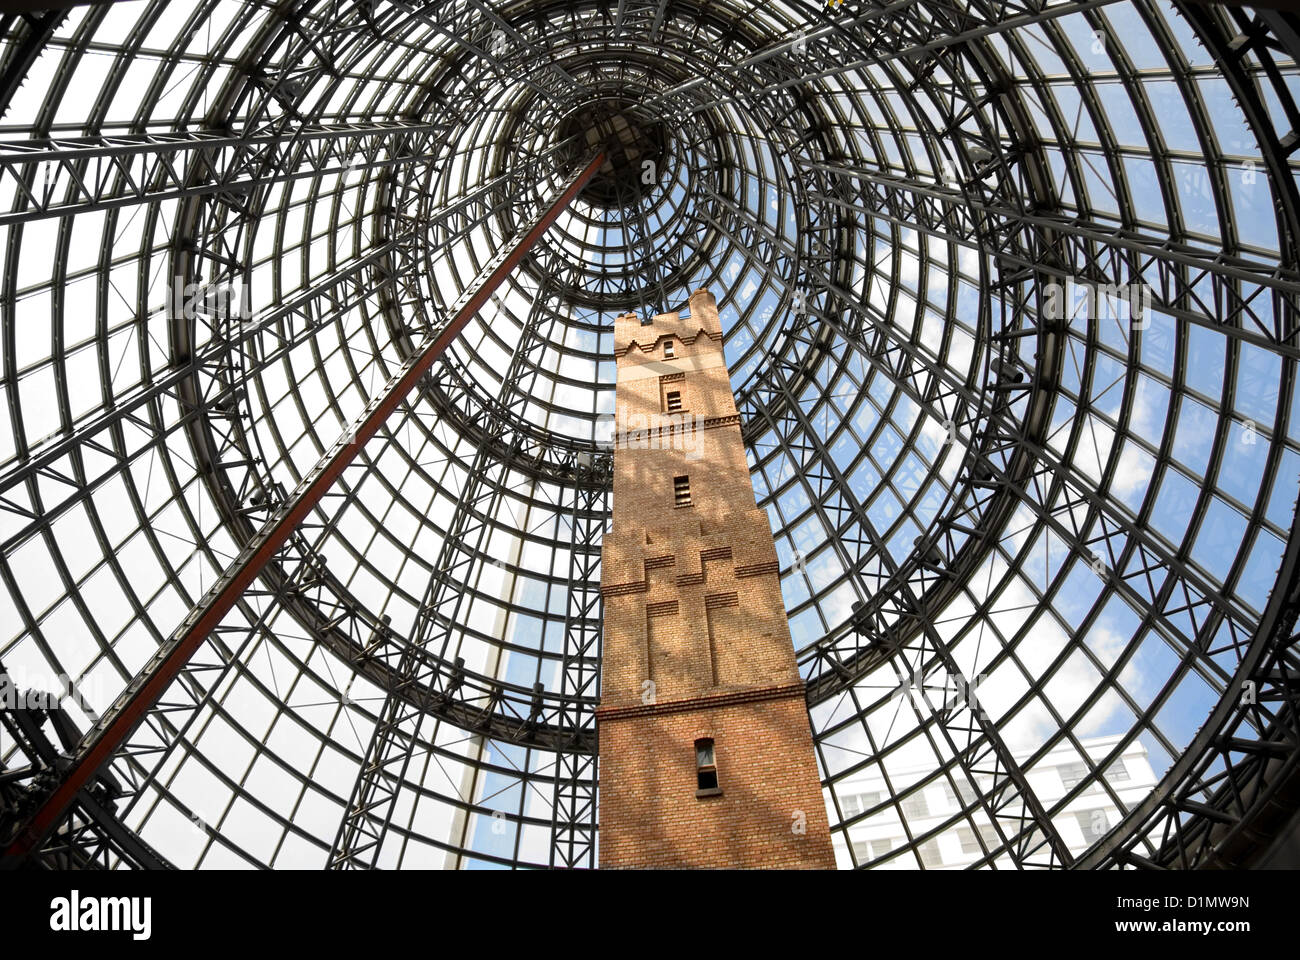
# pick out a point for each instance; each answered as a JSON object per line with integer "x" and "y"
{"x": 126, "y": 713}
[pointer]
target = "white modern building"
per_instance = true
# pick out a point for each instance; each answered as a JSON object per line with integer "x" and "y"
{"x": 945, "y": 826}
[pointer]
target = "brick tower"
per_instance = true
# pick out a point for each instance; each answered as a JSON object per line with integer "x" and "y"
{"x": 706, "y": 757}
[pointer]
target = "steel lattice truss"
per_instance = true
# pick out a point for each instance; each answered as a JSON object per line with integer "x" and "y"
{"x": 227, "y": 225}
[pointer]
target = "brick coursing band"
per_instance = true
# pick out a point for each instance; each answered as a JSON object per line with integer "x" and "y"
{"x": 625, "y": 438}
{"x": 716, "y": 601}
{"x": 750, "y": 695}
{"x": 663, "y": 609}
{"x": 621, "y": 589}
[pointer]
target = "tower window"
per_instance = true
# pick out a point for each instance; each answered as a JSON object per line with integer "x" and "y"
{"x": 674, "y": 401}
{"x": 668, "y": 348}
{"x": 682, "y": 491}
{"x": 706, "y": 768}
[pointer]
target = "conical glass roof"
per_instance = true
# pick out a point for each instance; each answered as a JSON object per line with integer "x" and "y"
{"x": 1010, "y": 308}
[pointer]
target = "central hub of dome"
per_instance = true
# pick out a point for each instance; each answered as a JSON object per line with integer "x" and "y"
{"x": 634, "y": 147}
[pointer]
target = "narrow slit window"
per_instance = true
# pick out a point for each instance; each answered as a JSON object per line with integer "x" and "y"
{"x": 668, "y": 348}
{"x": 706, "y": 767}
{"x": 674, "y": 401}
{"x": 682, "y": 491}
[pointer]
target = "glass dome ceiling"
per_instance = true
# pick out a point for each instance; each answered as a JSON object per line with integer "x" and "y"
{"x": 1010, "y": 307}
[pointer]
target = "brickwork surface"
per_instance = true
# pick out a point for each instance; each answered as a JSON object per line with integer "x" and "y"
{"x": 696, "y": 643}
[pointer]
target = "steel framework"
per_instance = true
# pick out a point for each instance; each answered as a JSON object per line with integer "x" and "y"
{"x": 113, "y": 731}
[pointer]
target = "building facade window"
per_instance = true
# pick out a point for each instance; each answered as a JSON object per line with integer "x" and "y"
{"x": 968, "y": 842}
{"x": 864, "y": 851}
{"x": 682, "y": 491}
{"x": 931, "y": 856}
{"x": 964, "y": 790}
{"x": 668, "y": 350}
{"x": 915, "y": 807}
{"x": 855, "y": 803}
{"x": 706, "y": 768}
{"x": 674, "y": 401}
{"x": 1072, "y": 773}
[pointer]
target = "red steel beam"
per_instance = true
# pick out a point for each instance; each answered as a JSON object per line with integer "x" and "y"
{"x": 142, "y": 693}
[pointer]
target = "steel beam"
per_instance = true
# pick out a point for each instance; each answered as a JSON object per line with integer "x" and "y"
{"x": 892, "y": 352}
{"x": 1207, "y": 287}
{"x": 396, "y": 736}
{"x": 906, "y": 29}
{"x": 878, "y": 340}
{"x": 1010, "y": 796}
{"x": 573, "y": 800}
{"x": 131, "y": 707}
{"x": 294, "y": 314}
{"x": 457, "y": 23}
{"x": 60, "y": 178}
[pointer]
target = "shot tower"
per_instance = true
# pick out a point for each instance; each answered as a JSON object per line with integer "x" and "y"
{"x": 706, "y": 757}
